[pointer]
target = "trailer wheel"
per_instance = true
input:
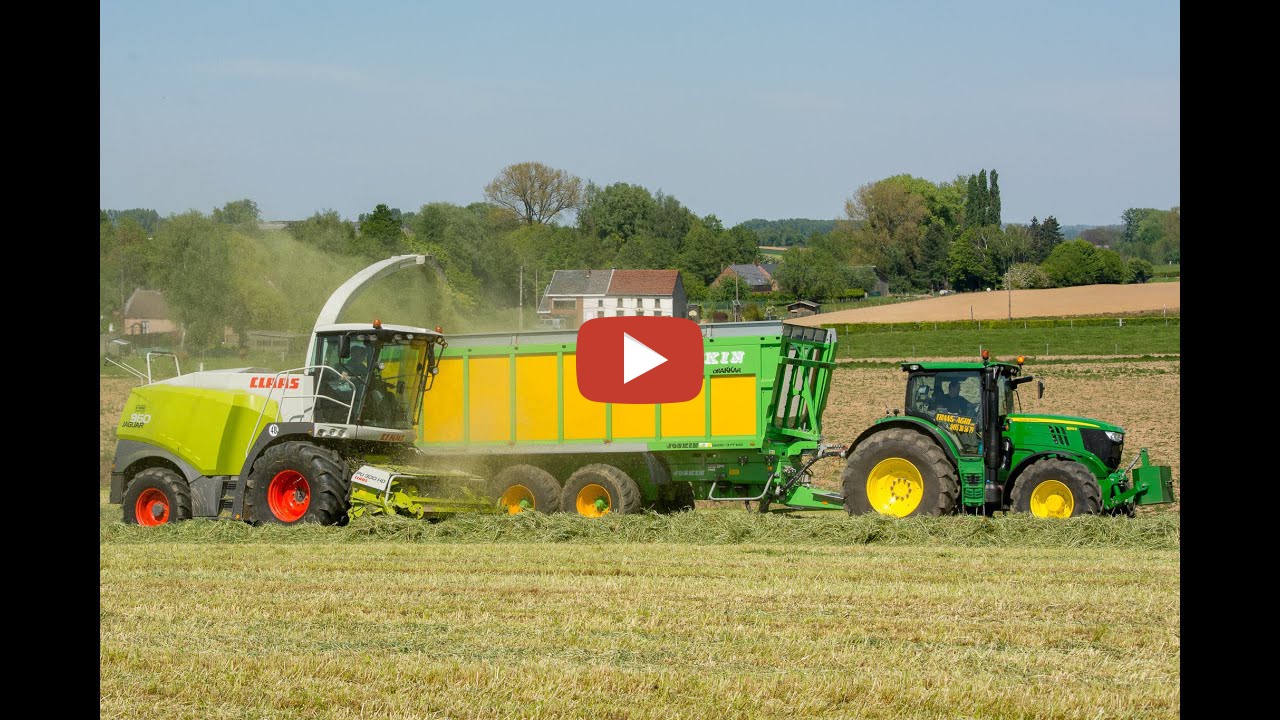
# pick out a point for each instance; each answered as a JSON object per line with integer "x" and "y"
{"x": 682, "y": 498}
{"x": 157, "y": 496}
{"x": 525, "y": 487}
{"x": 901, "y": 473}
{"x": 296, "y": 482}
{"x": 598, "y": 490}
{"x": 1056, "y": 488}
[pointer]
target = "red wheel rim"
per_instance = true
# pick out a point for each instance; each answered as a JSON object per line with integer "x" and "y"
{"x": 288, "y": 495}
{"x": 152, "y": 508}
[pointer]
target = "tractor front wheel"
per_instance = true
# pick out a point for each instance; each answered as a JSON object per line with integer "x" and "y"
{"x": 901, "y": 473}
{"x": 157, "y": 496}
{"x": 522, "y": 488}
{"x": 1057, "y": 489}
{"x": 298, "y": 481}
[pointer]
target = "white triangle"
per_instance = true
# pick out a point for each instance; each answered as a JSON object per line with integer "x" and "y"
{"x": 637, "y": 359}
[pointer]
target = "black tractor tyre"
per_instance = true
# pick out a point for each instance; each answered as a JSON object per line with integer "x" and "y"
{"x": 1086, "y": 495}
{"x": 682, "y": 499}
{"x": 164, "y": 494}
{"x": 323, "y": 496}
{"x": 941, "y": 486}
{"x": 539, "y": 483}
{"x": 623, "y": 492}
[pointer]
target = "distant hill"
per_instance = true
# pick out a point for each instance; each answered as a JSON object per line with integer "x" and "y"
{"x": 792, "y": 231}
{"x": 1071, "y": 232}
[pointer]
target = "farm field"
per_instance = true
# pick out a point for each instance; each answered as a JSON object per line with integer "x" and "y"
{"x": 1083, "y": 300}
{"x": 1037, "y": 343}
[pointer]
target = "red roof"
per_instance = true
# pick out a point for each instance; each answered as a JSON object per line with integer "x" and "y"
{"x": 644, "y": 282}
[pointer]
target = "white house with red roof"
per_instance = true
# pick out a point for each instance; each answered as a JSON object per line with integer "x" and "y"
{"x": 575, "y": 296}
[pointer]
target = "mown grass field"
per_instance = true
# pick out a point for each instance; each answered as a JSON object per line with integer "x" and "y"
{"x": 560, "y": 617}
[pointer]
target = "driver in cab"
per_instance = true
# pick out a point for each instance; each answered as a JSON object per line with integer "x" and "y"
{"x": 952, "y": 402}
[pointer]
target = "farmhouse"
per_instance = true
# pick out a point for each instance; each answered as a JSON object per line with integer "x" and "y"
{"x": 146, "y": 312}
{"x": 575, "y": 296}
{"x": 758, "y": 277}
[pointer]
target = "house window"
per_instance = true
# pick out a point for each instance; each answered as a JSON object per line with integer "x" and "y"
{"x": 618, "y": 312}
{"x": 600, "y": 303}
{"x": 639, "y": 313}
{"x": 562, "y": 304}
{"x": 599, "y": 313}
{"x": 657, "y": 313}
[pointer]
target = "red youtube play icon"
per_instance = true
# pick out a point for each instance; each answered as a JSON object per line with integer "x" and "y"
{"x": 640, "y": 360}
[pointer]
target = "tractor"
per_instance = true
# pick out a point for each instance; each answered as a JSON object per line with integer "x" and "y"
{"x": 960, "y": 445}
{"x": 318, "y": 443}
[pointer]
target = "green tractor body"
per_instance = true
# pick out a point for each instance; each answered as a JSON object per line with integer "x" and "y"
{"x": 960, "y": 443}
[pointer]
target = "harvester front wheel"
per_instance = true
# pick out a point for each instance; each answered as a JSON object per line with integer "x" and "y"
{"x": 296, "y": 482}
{"x": 598, "y": 490}
{"x": 157, "y": 496}
{"x": 901, "y": 473}
{"x": 1056, "y": 488}
{"x": 521, "y": 488}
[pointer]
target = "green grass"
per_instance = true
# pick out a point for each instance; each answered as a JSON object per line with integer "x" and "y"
{"x": 1131, "y": 340}
{"x": 306, "y": 628}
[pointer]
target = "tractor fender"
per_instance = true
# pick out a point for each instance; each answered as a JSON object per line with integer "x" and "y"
{"x": 273, "y": 433}
{"x": 910, "y": 423}
{"x": 1027, "y": 461}
{"x": 133, "y": 456}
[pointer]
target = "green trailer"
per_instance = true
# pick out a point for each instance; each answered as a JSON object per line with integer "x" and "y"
{"x": 507, "y": 406}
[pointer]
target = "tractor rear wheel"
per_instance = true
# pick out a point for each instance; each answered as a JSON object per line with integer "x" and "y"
{"x": 901, "y": 473}
{"x": 298, "y": 481}
{"x": 157, "y": 496}
{"x": 521, "y": 488}
{"x": 1056, "y": 488}
{"x": 597, "y": 490}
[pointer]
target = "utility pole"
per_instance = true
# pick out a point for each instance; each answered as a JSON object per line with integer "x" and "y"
{"x": 1008, "y": 276}
{"x": 520, "y": 305}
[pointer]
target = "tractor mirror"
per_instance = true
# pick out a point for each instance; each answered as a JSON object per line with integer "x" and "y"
{"x": 1039, "y": 389}
{"x": 344, "y": 347}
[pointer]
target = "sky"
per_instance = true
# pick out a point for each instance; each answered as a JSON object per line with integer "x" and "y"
{"x": 738, "y": 109}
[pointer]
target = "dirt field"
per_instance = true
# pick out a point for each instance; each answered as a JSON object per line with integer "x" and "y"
{"x": 1055, "y": 302}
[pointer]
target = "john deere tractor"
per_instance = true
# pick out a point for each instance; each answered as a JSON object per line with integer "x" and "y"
{"x": 316, "y": 443}
{"x": 959, "y": 444}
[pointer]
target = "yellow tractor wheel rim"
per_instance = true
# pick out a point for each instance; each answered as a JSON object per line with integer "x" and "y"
{"x": 593, "y": 501}
{"x": 895, "y": 487}
{"x": 1052, "y": 499}
{"x": 517, "y": 499}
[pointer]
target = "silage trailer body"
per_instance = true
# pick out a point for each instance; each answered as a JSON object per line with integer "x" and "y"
{"x": 512, "y": 399}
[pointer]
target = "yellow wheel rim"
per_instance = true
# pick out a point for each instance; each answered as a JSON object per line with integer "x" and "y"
{"x": 517, "y": 499}
{"x": 1052, "y": 499}
{"x": 593, "y": 501}
{"x": 895, "y": 487}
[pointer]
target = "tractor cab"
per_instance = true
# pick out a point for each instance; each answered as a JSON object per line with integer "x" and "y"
{"x": 372, "y": 375}
{"x": 962, "y": 398}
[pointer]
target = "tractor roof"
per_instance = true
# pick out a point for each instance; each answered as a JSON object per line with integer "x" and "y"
{"x": 939, "y": 366}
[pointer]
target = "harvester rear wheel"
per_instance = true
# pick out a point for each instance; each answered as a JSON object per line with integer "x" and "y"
{"x": 901, "y": 473}
{"x": 521, "y": 488}
{"x": 1056, "y": 488}
{"x": 296, "y": 482}
{"x": 157, "y": 496}
{"x": 597, "y": 490}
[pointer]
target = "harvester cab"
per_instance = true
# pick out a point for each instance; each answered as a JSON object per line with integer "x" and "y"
{"x": 963, "y": 443}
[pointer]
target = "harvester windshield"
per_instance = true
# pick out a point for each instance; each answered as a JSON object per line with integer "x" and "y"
{"x": 379, "y": 373}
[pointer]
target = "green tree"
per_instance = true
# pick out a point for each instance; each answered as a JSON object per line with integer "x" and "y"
{"x": 533, "y": 192}
{"x": 196, "y": 275}
{"x": 146, "y": 218}
{"x": 993, "y": 201}
{"x": 884, "y": 226}
{"x": 1027, "y": 276}
{"x": 812, "y": 274}
{"x": 968, "y": 268}
{"x": 380, "y": 232}
{"x": 1108, "y": 267}
{"x": 1139, "y": 270}
{"x": 326, "y": 231}
{"x": 1045, "y": 237}
{"x": 244, "y": 213}
{"x": 1071, "y": 263}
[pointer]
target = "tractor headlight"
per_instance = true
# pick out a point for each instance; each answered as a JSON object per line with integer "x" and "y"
{"x": 1115, "y": 436}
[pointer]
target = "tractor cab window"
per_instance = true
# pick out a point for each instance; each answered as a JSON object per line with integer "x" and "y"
{"x": 950, "y": 400}
{"x": 1007, "y": 393}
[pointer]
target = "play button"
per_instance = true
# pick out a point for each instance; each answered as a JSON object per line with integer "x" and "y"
{"x": 637, "y": 359}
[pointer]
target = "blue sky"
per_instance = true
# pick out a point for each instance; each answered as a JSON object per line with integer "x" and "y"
{"x": 741, "y": 109}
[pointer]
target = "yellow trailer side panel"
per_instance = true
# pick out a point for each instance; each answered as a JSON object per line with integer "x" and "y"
{"x": 443, "y": 407}
{"x": 490, "y": 399}
{"x": 733, "y": 405}
{"x": 536, "y": 405}
{"x": 583, "y": 419}
{"x": 686, "y": 419}
{"x": 633, "y": 421}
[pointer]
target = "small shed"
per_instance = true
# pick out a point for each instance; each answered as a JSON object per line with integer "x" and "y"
{"x": 800, "y": 308}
